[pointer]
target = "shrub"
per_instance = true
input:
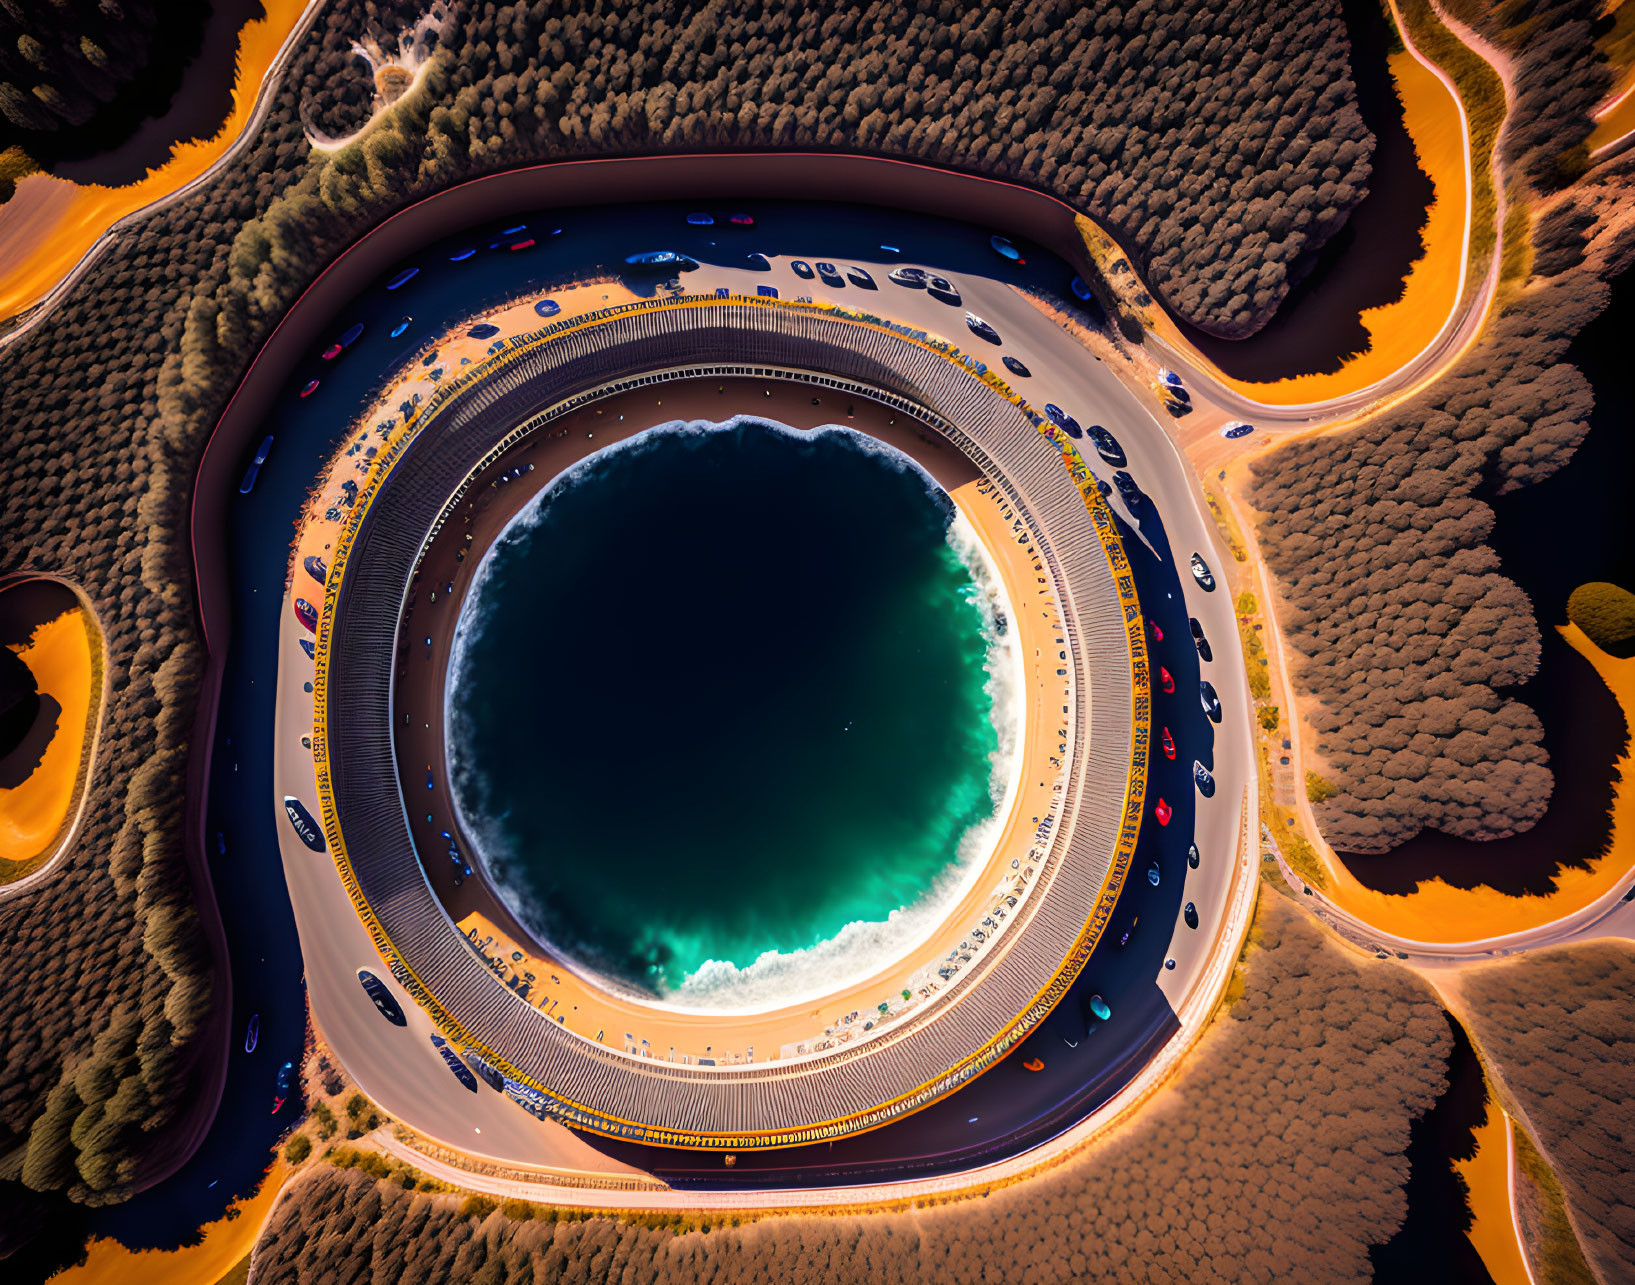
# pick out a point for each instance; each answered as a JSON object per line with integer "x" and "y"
{"x": 1606, "y": 614}
{"x": 298, "y": 1148}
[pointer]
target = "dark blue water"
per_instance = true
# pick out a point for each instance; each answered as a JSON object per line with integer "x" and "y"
{"x": 748, "y": 667}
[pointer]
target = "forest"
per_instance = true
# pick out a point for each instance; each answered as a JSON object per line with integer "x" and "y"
{"x": 1404, "y": 626}
{"x": 107, "y": 406}
{"x": 1278, "y": 1154}
{"x": 1557, "y": 1027}
{"x": 80, "y": 75}
{"x": 1222, "y": 144}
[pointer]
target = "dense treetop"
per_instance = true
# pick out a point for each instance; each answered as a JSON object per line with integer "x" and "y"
{"x": 1558, "y": 1030}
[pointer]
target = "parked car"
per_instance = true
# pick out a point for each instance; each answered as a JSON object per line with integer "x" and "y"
{"x": 1199, "y": 641}
{"x": 1211, "y": 701}
{"x": 1202, "y": 574}
{"x": 1237, "y": 428}
{"x": 1203, "y": 779}
{"x": 801, "y": 269}
{"x": 1107, "y": 446}
{"x": 980, "y": 328}
{"x": 1015, "y": 366}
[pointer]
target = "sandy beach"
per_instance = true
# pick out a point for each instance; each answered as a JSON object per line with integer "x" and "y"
{"x": 580, "y": 1002}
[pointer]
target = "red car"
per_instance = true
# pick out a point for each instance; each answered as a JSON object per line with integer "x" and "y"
{"x": 1169, "y": 745}
{"x": 1165, "y": 680}
{"x": 1163, "y": 812}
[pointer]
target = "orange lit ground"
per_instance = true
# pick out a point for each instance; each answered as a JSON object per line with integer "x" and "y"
{"x": 46, "y": 228}
{"x": 32, "y": 815}
{"x": 1398, "y": 331}
{"x": 1487, "y": 1175}
{"x": 226, "y": 1241}
{"x": 1435, "y": 909}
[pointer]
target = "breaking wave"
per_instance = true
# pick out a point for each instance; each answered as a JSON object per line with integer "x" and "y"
{"x": 860, "y": 948}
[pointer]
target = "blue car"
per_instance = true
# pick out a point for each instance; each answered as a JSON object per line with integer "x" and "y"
{"x": 547, "y": 308}
{"x": 1236, "y": 429}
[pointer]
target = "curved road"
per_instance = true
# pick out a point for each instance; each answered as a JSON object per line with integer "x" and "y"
{"x": 1006, "y": 1111}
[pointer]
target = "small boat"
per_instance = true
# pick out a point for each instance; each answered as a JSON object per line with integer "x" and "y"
{"x": 1005, "y": 250}
{"x": 741, "y": 221}
{"x": 522, "y": 245}
{"x": 547, "y": 308}
{"x": 1153, "y": 876}
{"x": 1163, "y": 812}
{"x": 1164, "y": 679}
{"x": 221, "y": 844}
{"x": 305, "y": 825}
{"x": 315, "y": 568}
{"x": 1080, "y": 290}
{"x": 1034, "y": 1064}
{"x": 483, "y": 331}
{"x": 1157, "y": 631}
{"x": 311, "y": 651}
{"x": 400, "y": 327}
{"x": 253, "y": 1034}
{"x": 1098, "y": 1006}
{"x": 891, "y": 249}
{"x": 311, "y": 388}
{"x": 460, "y": 256}
{"x": 282, "y": 1086}
{"x": 333, "y": 351}
{"x": 248, "y": 484}
{"x": 701, "y": 220}
{"x": 402, "y": 278}
{"x": 307, "y": 614}
{"x": 512, "y": 231}
{"x": 1169, "y": 744}
{"x": 350, "y": 335}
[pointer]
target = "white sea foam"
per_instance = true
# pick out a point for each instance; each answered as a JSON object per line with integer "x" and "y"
{"x": 860, "y": 948}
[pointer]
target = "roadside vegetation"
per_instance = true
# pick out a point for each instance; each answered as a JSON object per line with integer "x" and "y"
{"x": 1557, "y": 1029}
{"x": 1405, "y": 629}
{"x": 1606, "y": 614}
{"x": 1304, "y": 1087}
{"x": 109, "y": 404}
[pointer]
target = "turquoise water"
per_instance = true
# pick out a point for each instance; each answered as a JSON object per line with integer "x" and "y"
{"x": 719, "y": 694}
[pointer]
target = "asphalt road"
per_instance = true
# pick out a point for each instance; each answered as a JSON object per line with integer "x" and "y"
{"x": 1009, "y": 1109}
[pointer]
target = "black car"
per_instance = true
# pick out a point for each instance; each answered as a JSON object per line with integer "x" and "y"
{"x": 1198, "y": 639}
{"x": 1203, "y": 779}
{"x": 943, "y": 290}
{"x": 858, "y": 277}
{"x": 1192, "y": 855}
{"x": 487, "y": 1074}
{"x": 385, "y": 1004}
{"x": 1107, "y": 446}
{"x": 758, "y": 262}
{"x": 1015, "y": 366}
{"x": 801, "y": 269}
{"x": 1128, "y": 491}
{"x": 981, "y": 329}
{"x": 1211, "y": 702}
{"x": 1202, "y": 574}
{"x": 830, "y": 274}
{"x": 1177, "y": 409}
{"x": 1190, "y": 914}
{"x": 913, "y": 278}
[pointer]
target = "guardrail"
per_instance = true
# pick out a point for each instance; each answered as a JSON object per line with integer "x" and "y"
{"x": 538, "y": 377}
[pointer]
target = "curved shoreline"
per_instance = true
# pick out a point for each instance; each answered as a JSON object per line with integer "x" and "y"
{"x": 688, "y": 1030}
{"x": 743, "y": 990}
